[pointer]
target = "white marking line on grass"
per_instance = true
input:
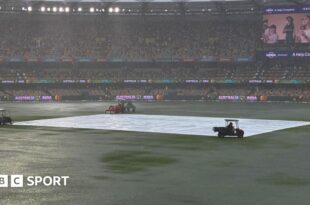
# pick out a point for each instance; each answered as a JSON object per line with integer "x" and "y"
{"x": 186, "y": 125}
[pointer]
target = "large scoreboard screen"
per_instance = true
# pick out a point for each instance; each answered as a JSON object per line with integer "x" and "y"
{"x": 286, "y": 25}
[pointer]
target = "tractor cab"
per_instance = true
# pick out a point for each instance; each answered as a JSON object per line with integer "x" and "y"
{"x": 130, "y": 107}
{"x": 127, "y": 106}
{"x": 4, "y": 117}
{"x": 235, "y": 123}
{"x": 4, "y": 113}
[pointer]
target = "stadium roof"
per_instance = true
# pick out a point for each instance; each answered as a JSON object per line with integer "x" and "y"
{"x": 144, "y": 6}
{"x": 268, "y": 2}
{"x": 92, "y": 1}
{"x": 254, "y": 2}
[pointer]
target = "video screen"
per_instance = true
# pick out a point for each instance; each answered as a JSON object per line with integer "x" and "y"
{"x": 286, "y": 26}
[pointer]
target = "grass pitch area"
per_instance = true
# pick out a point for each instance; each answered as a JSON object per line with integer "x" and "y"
{"x": 113, "y": 167}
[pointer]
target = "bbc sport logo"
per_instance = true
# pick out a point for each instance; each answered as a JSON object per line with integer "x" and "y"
{"x": 32, "y": 181}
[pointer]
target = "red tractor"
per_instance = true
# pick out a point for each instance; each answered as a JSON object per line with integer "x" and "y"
{"x": 115, "y": 109}
{"x": 121, "y": 107}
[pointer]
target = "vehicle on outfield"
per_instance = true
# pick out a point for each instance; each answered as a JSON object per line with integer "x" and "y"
{"x": 231, "y": 129}
{"x": 129, "y": 107}
{"x": 114, "y": 109}
{"x": 122, "y": 107}
{"x": 5, "y": 118}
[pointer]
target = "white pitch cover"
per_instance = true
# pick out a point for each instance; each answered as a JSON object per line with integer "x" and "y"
{"x": 185, "y": 125}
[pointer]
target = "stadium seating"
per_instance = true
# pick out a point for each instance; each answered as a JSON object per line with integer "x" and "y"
{"x": 140, "y": 40}
{"x": 130, "y": 40}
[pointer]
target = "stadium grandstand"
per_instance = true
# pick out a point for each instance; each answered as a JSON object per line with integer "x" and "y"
{"x": 94, "y": 50}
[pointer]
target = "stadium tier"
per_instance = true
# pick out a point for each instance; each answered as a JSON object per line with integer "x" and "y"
{"x": 88, "y": 57}
{"x": 125, "y": 39}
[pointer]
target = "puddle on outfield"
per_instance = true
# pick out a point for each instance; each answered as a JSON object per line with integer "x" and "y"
{"x": 133, "y": 161}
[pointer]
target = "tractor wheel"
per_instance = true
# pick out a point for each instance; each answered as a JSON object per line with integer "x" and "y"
{"x": 220, "y": 135}
{"x": 240, "y": 134}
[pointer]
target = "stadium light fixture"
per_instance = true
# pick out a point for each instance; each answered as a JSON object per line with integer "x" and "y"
{"x": 48, "y": 9}
{"x": 92, "y": 10}
{"x": 29, "y": 8}
{"x": 61, "y": 9}
{"x": 42, "y": 9}
{"x": 54, "y": 9}
{"x": 116, "y": 9}
{"x": 80, "y": 9}
{"x": 110, "y": 10}
{"x": 67, "y": 9}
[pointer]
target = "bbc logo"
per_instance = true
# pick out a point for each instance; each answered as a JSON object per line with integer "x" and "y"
{"x": 18, "y": 181}
{"x": 12, "y": 181}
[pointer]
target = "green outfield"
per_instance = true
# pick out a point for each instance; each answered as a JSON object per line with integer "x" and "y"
{"x": 131, "y": 168}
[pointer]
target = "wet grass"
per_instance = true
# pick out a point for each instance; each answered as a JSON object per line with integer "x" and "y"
{"x": 282, "y": 179}
{"x": 268, "y": 166}
{"x": 132, "y": 161}
{"x": 100, "y": 177}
